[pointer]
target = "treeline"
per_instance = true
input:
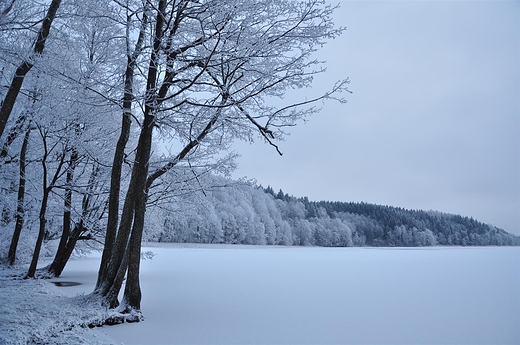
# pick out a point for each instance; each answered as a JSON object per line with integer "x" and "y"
{"x": 246, "y": 214}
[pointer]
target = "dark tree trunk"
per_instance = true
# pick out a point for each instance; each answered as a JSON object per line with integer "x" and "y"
{"x": 136, "y": 196}
{"x": 110, "y": 284}
{"x": 43, "y": 208}
{"x": 56, "y": 267}
{"x": 119, "y": 249}
{"x": 132, "y": 294}
{"x": 60, "y": 261}
{"x": 67, "y": 203}
{"x": 137, "y": 192}
{"x": 115, "y": 181}
{"x": 24, "y": 68}
{"x": 113, "y": 199}
{"x": 13, "y": 134}
{"x": 126, "y": 253}
{"x": 20, "y": 208}
{"x": 41, "y": 233}
{"x": 119, "y": 154}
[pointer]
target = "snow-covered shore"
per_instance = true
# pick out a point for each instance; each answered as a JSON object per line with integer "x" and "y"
{"x": 195, "y": 294}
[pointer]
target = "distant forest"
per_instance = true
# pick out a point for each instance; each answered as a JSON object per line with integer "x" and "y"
{"x": 245, "y": 214}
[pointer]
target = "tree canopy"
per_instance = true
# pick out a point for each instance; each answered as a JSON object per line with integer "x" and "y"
{"x": 109, "y": 107}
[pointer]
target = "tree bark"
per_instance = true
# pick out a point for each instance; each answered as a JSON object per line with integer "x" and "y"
{"x": 127, "y": 251}
{"x": 119, "y": 154}
{"x": 60, "y": 261}
{"x": 24, "y": 68}
{"x": 132, "y": 294}
{"x": 13, "y": 134}
{"x": 113, "y": 199}
{"x": 138, "y": 191}
{"x": 20, "y": 208}
{"x": 41, "y": 234}
{"x": 56, "y": 267}
{"x": 118, "y": 264}
{"x": 47, "y": 187}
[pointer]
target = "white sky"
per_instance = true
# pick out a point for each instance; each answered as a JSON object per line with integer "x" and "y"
{"x": 433, "y": 121}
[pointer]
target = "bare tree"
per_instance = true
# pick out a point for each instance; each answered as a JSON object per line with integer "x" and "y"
{"x": 119, "y": 154}
{"x": 75, "y": 85}
{"x": 211, "y": 72}
{"x": 47, "y": 187}
{"x": 71, "y": 235}
{"x": 9, "y": 100}
{"x": 199, "y": 73}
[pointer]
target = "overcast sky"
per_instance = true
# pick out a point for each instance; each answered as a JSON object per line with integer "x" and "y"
{"x": 434, "y": 119}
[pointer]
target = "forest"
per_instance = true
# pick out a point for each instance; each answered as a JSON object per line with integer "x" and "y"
{"x": 241, "y": 213}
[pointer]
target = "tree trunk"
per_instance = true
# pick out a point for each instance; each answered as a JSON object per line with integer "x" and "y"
{"x": 119, "y": 249}
{"x": 13, "y": 133}
{"x": 113, "y": 199}
{"x": 24, "y": 68}
{"x": 41, "y": 233}
{"x": 56, "y": 267}
{"x": 136, "y": 196}
{"x": 132, "y": 294}
{"x": 59, "y": 262}
{"x": 137, "y": 192}
{"x": 20, "y": 208}
{"x": 117, "y": 164}
{"x": 111, "y": 281}
{"x": 43, "y": 208}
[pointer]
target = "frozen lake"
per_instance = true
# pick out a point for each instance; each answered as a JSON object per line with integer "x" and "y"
{"x": 301, "y": 295}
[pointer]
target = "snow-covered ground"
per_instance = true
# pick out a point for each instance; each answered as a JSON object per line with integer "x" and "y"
{"x": 286, "y": 295}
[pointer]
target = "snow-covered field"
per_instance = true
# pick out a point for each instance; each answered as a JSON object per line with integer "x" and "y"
{"x": 288, "y": 295}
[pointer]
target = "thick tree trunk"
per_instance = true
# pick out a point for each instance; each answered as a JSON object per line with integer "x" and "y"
{"x": 24, "y": 68}
{"x": 113, "y": 199}
{"x": 136, "y": 196}
{"x": 127, "y": 251}
{"x": 117, "y": 164}
{"x": 119, "y": 249}
{"x": 110, "y": 284}
{"x": 58, "y": 264}
{"x": 20, "y": 208}
{"x": 137, "y": 189}
{"x": 132, "y": 294}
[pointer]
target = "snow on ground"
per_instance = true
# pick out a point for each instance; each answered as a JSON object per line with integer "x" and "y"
{"x": 34, "y": 312}
{"x": 287, "y": 295}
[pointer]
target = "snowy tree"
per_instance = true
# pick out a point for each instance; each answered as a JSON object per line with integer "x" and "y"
{"x": 9, "y": 100}
{"x": 211, "y": 68}
{"x": 68, "y": 96}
